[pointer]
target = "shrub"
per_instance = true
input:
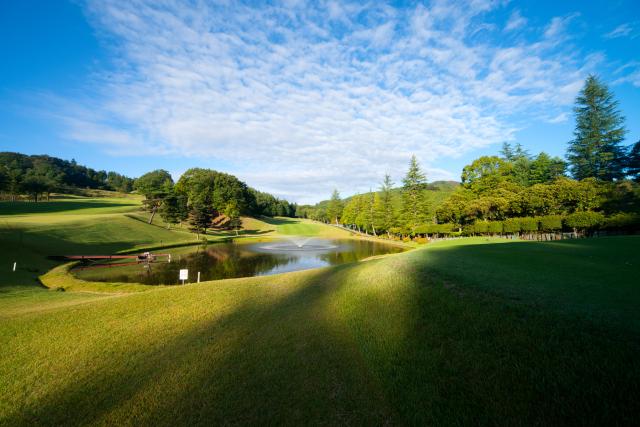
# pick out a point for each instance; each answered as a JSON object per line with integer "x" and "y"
{"x": 495, "y": 227}
{"x": 528, "y": 224}
{"x": 550, "y": 222}
{"x": 584, "y": 220}
{"x": 468, "y": 230}
{"x": 481, "y": 227}
{"x": 444, "y": 228}
{"x": 511, "y": 225}
{"x": 622, "y": 221}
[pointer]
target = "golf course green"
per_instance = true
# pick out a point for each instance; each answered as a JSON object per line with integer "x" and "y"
{"x": 481, "y": 331}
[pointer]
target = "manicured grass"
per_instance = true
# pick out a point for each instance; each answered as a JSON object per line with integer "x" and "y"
{"x": 74, "y": 206}
{"x": 31, "y": 232}
{"x": 305, "y": 227}
{"x": 402, "y": 339}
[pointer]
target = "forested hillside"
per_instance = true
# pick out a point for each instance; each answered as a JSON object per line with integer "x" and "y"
{"x": 21, "y": 174}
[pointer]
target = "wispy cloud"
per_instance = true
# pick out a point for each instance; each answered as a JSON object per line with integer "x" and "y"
{"x": 622, "y": 30}
{"x": 303, "y": 97}
{"x": 515, "y": 22}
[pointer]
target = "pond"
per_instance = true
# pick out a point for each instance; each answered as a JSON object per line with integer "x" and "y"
{"x": 228, "y": 260}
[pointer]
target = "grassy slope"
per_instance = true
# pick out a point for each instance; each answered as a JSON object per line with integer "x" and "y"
{"x": 400, "y": 340}
{"x": 30, "y": 232}
{"x": 305, "y": 227}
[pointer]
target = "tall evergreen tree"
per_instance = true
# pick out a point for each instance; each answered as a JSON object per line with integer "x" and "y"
{"x": 335, "y": 207}
{"x": 596, "y": 149}
{"x": 385, "y": 215}
{"x": 412, "y": 204}
{"x": 633, "y": 162}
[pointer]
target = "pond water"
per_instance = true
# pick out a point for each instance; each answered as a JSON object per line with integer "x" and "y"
{"x": 228, "y": 260}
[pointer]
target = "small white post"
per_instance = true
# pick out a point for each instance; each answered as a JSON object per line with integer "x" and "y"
{"x": 15, "y": 263}
{"x": 198, "y": 277}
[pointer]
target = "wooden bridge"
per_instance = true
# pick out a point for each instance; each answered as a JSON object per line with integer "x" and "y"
{"x": 145, "y": 257}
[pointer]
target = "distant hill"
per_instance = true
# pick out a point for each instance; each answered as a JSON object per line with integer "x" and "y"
{"x": 42, "y": 174}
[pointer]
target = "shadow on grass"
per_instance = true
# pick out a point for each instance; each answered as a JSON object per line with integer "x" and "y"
{"x": 23, "y": 208}
{"x": 279, "y": 220}
{"x": 273, "y": 362}
{"x": 390, "y": 341}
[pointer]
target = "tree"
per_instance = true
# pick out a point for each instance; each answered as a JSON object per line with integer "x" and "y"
{"x": 485, "y": 173}
{"x": 154, "y": 186}
{"x": 334, "y": 209}
{"x": 172, "y": 211}
{"x": 232, "y": 211}
{"x": 633, "y": 162}
{"x": 200, "y": 217}
{"x": 595, "y": 150}
{"x": 413, "y": 183}
{"x": 544, "y": 169}
{"x": 384, "y": 212}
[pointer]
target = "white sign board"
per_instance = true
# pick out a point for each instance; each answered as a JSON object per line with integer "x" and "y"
{"x": 184, "y": 274}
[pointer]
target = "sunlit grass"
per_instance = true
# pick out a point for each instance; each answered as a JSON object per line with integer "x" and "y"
{"x": 390, "y": 340}
{"x": 473, "y": 331}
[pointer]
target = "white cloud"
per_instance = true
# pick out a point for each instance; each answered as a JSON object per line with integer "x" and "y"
{"x": 560, "y": 118}
{"x": 622, "y": 30}
{"x": 629, "y": 73}
{"x": 515, "y": 22}
{"x": 299, "y": 106}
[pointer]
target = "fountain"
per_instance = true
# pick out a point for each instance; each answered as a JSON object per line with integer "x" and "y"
{"x": 300, "y": 243}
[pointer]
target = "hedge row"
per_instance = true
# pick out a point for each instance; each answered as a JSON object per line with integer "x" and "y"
{"x": 581, "y": 221}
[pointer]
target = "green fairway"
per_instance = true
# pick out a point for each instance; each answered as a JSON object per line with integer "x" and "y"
{"x": 305, "y": 227}
{"x": 389, "y": 340}
{"x": 470, "y": 331}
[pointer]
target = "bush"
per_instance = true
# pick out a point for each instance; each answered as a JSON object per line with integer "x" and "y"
{"x": 511, "y": 225}
{"x": 550, "y": 222}
{"x": 495, "y": 227}
{"x": 481, "y": 227}
{"x": 622, "y": 221}
{"x": 528, "y": 224}
{"x": 584, "y": 220}
{"x": 435, "y": 229}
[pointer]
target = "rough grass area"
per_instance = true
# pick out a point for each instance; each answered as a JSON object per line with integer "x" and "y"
{"x": 404, "y": 339}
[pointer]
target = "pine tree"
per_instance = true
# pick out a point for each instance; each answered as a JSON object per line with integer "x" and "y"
{"x": 596, "y": 151}
{"x": 633, "y": 162}
{"x": 335, "y": 207}
{"x": 385, "y": 215}
{"x": 200, "y": 218}
{"x": 412, "y": 205}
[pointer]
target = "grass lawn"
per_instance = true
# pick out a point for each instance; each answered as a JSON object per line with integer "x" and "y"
{"x": 404, "y": 339}
{"x": 472, "y": 331}
{"x": 305, "y": 227}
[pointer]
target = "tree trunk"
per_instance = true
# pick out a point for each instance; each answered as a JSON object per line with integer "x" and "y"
{"x": 153, "y": 213}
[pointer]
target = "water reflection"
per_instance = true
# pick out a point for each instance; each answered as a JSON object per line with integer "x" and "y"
{"x": 228, "y": 260}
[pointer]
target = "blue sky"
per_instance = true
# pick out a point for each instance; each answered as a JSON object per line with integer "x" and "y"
{"x": 298, "y": 98}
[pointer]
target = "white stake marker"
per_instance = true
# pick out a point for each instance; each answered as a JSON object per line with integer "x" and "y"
{"x": 198, "y": 277}
{"x": 14, "y": 266}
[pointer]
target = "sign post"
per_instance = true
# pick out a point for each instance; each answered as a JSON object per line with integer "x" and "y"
{"x": 184, "y": 274}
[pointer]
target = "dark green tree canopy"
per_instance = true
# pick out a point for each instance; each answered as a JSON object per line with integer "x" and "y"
{"x": 596, "y": 150}
{"x": 154, "y": 184}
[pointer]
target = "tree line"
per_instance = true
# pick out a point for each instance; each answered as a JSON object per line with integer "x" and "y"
{"x": 38, "y": 175}
{"x": 202, "y": 198}
{"x": 594, "y": 188}
{"x": 206, "y": 199}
